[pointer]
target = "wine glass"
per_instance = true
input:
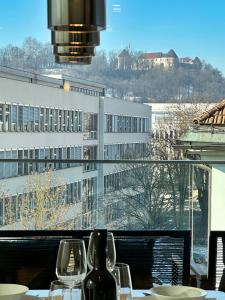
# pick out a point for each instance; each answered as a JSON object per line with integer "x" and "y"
{"x": 126, "y": 291}
{"x": 110, "y": 252}
{"x": 71, "y": 264}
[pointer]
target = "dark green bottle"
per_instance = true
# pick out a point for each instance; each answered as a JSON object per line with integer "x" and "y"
{"x": 99, "y": 283}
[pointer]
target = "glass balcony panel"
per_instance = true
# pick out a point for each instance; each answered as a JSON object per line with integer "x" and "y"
{"x": 65, "y": 193}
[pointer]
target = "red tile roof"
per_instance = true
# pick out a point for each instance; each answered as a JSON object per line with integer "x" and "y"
{"x": 151, "y": 55}
{"x": 214, "y": 116}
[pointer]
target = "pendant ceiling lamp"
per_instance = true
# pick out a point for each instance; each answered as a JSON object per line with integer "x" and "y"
{"x": 76, "y": 26}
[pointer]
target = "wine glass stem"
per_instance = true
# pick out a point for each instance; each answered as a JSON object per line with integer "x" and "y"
{"x": 71, "y": 293}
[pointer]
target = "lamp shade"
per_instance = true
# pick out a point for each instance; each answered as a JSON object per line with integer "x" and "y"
{"x": 76, "y": 26}
{"x": 62, "y": 38}
{"x": 76, "y": 15}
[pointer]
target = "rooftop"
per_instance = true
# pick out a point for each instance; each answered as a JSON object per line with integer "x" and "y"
{"x": 153, "y": 55}
{"x": 214, "y": 116}
{"x": 51, "y": 80}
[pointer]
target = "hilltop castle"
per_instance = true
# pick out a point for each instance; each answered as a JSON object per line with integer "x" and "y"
{"x": 147, "y": 61}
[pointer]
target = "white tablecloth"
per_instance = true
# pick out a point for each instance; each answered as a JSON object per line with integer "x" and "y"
{"x": 210, "y": 294}
{"x": 137, "y": 293}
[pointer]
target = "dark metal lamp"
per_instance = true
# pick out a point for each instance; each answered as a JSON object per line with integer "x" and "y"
{"x": 76, "y": 26}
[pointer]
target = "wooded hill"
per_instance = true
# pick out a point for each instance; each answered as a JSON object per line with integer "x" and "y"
{"x": 179, "y": 84}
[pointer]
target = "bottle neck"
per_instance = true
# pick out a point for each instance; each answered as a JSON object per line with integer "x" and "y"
{"x": 100, "y": 242}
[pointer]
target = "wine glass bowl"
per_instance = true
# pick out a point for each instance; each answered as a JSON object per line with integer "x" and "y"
{"x": 126, "y": 290}
{"x": 110, "y": 252}
{"x": 71, "y": 264}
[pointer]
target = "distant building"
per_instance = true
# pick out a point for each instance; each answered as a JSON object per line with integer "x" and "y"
{"x": 206, "y": 141}
{"x": 189, "y": 62}
{"x": 66, "y": 118}
{"x": 156, "y": 59}
{"x": 150, "y": 60}
{"x": 124, "y": 60}
{"x": 160, "y": 111}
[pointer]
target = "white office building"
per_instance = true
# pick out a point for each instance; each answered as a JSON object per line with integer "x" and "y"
{"x": 48, "y": 118}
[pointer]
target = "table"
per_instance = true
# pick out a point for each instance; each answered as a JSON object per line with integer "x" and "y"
{"x": 137, "y": 293}
{"x": 210, "y": 294}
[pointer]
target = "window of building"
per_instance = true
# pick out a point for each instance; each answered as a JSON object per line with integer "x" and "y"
{"x": 90, "y": 194}
{"x": 2, "y": 164}
{"x": 31, "y": 119}
{"x": 1, "y": 117}
{"x": 20, "y": 164}
{"x": 26, "y": 118}
{"x": 80, "y": 120}
{"x": 14, "y": 117}
{"x": 51, "y": 120}
{"x": 90, "y": 153}
{"x": 36, "y": 119}
{"x": 46, "y": 119}
{"x": 90, "y": 125}
{"x": 7, "y": 117}
{"x": 42, "y": 120}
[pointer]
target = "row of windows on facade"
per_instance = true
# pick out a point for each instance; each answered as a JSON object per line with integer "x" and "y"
{"x": 38, "y": 119}
{"x": 11, "y": 207}
{"x": 126, "y": 124}
{"x": 15, "y": 118}
{"x": 165, "y": 135}
{"x": 115, "y": 151}
{"x": 128, "y": 151}
{"x": 114, "y": 211}
{"x": 89, "y": 220}
{"x": 86, "y": 91}
{"x": 118, "y": 211}
{"x": 121, "y": 179}
{"x": 81, "y": 221}
{"x": 18, "y": 168}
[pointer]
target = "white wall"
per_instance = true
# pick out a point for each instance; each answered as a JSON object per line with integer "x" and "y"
{"x": 126, "y": 138}
{"x": 34, "y": 94}
{"x": 20, "y": 140}
{"x": 17, "y": 185}
{"x": 127, "y": 108}
{"x": 217, "y": 217}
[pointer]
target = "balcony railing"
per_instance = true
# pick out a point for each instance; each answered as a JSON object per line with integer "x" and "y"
{"x": 41, "y": 194}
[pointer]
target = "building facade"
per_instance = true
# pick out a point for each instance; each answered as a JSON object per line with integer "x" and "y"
{"x": 47, "y": 118}
{"x": 167, "y": 60}
{"x": 206, "y": 141}
{"x": 150, "y": 60}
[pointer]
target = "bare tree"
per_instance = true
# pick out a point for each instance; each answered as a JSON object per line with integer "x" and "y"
{"x": 145, "y": 202}
{"x": 156, "y": 195}
{"x": 42, "y": 206}
{"x": 170, "y": 127}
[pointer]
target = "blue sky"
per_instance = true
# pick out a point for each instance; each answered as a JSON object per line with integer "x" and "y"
{"x": 191, "y": 27}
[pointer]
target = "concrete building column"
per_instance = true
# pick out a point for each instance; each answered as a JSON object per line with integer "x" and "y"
{"x": 4, "y": 117}
{"x": 100, "y": 157}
